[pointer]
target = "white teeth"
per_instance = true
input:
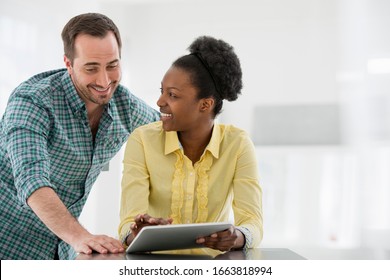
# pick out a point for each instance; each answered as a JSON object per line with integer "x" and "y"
{"x": 166, "y": 115}
{"x": 100, "y": 89}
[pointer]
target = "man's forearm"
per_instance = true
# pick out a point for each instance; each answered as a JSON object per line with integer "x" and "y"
{"x": 51, "y": 210}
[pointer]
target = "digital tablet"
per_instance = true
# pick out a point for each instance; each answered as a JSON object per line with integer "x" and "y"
{"x": 173, "y": 237}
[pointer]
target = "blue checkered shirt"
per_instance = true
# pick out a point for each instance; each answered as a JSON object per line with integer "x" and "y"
{"x": 45, "y": 140}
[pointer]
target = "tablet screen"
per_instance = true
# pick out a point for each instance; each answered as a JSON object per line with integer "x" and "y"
{"x": 173, "y": 237}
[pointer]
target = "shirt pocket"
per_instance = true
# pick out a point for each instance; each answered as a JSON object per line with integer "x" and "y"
{"x": 110, "y": 147}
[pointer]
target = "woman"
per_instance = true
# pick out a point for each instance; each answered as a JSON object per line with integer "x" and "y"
{"x": 188, "y": 169}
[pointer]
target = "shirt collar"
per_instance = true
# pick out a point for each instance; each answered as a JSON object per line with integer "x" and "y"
{"x": 215, "y": 141}
{"x": 172, "y": 142}
{"x": 74, "y": 100}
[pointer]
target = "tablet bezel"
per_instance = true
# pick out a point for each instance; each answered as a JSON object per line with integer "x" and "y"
{"x": 173, "y": 237}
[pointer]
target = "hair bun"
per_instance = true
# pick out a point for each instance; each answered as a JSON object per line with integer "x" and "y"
{"x": 223, "y": 63}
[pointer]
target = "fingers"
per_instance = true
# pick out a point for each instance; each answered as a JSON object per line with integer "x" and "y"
{"x": 101, "y": 244}
{"x": 145, "y": 219}
{"x": 84, "y": 249}
{"x": 162, "y": 221}
{"x": 223, "y": 240}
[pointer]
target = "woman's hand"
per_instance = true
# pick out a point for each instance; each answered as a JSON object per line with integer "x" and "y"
{"x": 225, "y": 240}
{"x": 144, "y": 220}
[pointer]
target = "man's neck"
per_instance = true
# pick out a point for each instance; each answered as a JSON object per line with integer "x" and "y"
{"x": 94, "y": 115}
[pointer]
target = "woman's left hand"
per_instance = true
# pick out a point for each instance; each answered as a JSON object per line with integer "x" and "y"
{"x": 225, "y": 240}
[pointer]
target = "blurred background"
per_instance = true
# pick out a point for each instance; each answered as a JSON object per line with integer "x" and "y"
{"x": 316, "y": 102}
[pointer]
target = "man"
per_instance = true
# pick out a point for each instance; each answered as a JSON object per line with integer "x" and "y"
{"x": 58, "y": 131}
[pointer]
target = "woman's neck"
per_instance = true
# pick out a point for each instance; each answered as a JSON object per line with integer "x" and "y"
{"x": 195, "y": 142}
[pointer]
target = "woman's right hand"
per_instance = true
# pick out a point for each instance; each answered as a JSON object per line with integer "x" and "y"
{"x": 143, "y": 220}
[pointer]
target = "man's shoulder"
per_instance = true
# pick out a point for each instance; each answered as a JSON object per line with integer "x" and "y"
{"x": 41, "y": 83}
{"x": 39, "y": 89}
{"x": 123, "y": 97}
{"x": 123, "y": 94}
{"x": 46, "y": 77}
{"x": 131, "y": 105}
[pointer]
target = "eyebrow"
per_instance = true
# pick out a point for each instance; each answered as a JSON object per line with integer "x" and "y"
{"x": 162, "y": 85}
{"x": 173, "y": 88}
{"x": 97, "y": 64}
{"x": 168, "y": 88}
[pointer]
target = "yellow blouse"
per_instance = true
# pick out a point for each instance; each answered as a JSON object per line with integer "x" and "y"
{"x": 160, "y": 180}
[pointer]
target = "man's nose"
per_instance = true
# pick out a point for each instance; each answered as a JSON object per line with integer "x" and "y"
{"x": 103, "y": 80}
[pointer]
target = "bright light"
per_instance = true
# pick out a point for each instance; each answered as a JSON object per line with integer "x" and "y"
{"x": 378, "y": 66}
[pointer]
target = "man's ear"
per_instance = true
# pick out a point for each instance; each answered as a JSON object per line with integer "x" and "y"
{"x": 68, "y": 64}
{"x": 207, "y": 105}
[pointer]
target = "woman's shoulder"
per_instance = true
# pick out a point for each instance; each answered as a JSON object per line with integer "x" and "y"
{"x": 229, "y": 130}
{"x": 150, "y": 129}
{"x": 233, "y": 135}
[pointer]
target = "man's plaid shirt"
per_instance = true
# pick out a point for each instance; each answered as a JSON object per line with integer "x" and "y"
{"x": 45, "y": 140}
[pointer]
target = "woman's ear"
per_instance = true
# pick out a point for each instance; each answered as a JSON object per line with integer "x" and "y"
{"x": 207, "y": 104}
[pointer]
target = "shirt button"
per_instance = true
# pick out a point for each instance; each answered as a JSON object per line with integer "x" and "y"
{"x": 191, "y": 173}
{"x": 189, "y": 197}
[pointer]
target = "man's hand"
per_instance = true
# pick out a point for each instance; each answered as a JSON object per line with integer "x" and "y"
{"x": 102, "y": 244}
{"x": 51, "y": 210}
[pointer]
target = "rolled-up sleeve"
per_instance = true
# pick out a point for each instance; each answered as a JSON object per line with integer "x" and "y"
{"x": 26, "y": 136}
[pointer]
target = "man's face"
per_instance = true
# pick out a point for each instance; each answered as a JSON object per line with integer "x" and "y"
{"x": 96, "y": 70}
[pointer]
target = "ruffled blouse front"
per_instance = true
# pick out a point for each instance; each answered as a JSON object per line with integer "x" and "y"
{"x": 203, "y": 166}
{"x": 160, "y": 180}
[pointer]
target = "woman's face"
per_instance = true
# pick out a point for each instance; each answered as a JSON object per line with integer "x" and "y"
{"x": 180, "y": 108}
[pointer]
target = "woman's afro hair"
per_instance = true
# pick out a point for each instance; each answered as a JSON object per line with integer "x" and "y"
{"x": 223, "y": 63}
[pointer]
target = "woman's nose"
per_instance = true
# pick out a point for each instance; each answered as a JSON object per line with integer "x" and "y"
{"x": 161, "y": 101}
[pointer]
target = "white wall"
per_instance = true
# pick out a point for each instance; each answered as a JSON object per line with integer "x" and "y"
{"x": 288, "y": 49}
{"x": 292, "y": 52}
